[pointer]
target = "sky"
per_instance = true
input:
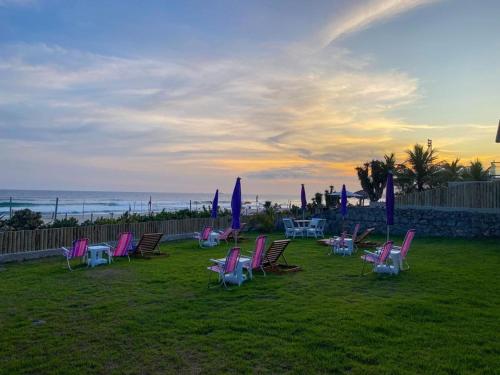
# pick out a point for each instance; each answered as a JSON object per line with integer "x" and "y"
{"x": 183, "y": 96}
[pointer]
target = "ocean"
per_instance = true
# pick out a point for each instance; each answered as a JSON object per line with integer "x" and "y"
{"x": 86, "y": 204}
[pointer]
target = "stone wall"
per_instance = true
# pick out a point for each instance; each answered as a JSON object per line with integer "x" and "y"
{"x": 427, "y": 222}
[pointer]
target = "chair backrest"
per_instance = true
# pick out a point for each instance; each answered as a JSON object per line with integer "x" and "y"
{"x": 206, "y": 233}
{"x": 123, "y": 245}
{"x": 407, "y": 242}
{"x": 232, "y": 260}
{"x": 258, "y": 253}
{"x": 148, "y": 242}
{"x": 341, "y": 242}
{"x": 79, "y": 248}
{"x": 355, "y": 232}
{"x": 288, "y": 223}
{"x": 314, "y": 223}
{"x": 225, "y": 235}
{"x": 321, "y": 224}
{"x": 275, "y": 251}
{"x": 365, "y": 234}
{"x": 386, "y": 250}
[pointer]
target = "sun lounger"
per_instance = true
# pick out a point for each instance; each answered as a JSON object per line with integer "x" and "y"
{"x": 148, "y": 245}
{"x": 273, "y": 254}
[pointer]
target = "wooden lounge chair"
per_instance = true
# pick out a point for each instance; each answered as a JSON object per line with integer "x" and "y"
{"x": 148, "y": 245}
{"x": 360, "y": 240}
{"x": 273, "y": 254}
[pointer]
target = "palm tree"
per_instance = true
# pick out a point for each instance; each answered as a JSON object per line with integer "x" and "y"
{"x": 476, "y": 172}
{"x": 450, "y": 172}
{"x": 420, "y": 166}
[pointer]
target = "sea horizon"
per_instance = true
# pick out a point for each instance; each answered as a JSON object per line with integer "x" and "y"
{"x": 86, "y": 204}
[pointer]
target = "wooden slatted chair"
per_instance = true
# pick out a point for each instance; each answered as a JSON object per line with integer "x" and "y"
{"x": 273, "y": 254}
{"x": 148, "y": 245}
{"x": 360, "y": 240}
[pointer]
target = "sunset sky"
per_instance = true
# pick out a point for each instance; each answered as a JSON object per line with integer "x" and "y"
{"x": 183, "y": 96}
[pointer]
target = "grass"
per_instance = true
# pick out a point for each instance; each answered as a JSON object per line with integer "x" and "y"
{"x": 157, "y": 316}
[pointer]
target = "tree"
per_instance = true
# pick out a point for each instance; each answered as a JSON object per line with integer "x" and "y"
{"x": 449, "y": 172}
{"x": 420, "y": 168}
{"x": 373, "y": 176}
{"x": 25, "y": 220}
{"x": 318, "y": 199}
{"x": 476, "y": 172}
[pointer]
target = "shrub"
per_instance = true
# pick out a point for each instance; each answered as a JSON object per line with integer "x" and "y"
{"x": 25, "y": 220}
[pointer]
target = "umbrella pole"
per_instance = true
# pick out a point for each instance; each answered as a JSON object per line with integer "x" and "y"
{"x": 387, "y": 233}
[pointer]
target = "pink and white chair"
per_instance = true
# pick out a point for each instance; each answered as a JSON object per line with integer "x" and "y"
{"x": 78, "y": 250}
{"x": 404, "y": 248}
{"x": 124, "y": 244}
{"x": 227, "y": 268}
{"x": 256, "y": 261}
{"x": 204, "y": 238}
{"x": 225, "y": 234}
{"x": 377, "y": 259}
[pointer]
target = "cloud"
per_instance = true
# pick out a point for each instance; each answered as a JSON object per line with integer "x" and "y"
{"x": 363, "y": 15}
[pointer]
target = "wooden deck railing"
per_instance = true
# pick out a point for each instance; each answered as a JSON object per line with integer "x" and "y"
{"x": 44, "y": 239}
{"x": 483, "y": 195}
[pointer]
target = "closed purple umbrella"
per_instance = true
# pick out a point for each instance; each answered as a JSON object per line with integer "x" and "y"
{"x": 389, "y": 201}
{"x": 303, "y": 200}
{"x": 343, "y": 202}
{"x": 236, "y": 208}
{"x": 343, "y": 205}
{"x": 215, "y": 204}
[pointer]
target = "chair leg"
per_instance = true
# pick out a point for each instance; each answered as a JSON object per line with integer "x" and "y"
{"x": 264, "y": 272}
{"x": 69, "y": 266}
{"x": 363, "y": 269}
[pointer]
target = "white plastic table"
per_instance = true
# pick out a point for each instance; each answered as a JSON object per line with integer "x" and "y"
{"x": 95, "y": 255}
{"x": 395, "y": 267}
{"x": 349, "y": 243}
{"x": 237, "y": 277}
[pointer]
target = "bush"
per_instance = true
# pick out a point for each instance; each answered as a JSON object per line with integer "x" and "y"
{"x": 262, "y": 222}
{"x": 64, "y": 223}
{"x": 25, "y": 220}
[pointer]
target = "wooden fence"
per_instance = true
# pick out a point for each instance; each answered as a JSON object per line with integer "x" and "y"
{"x": 54, "y": 238}
{"x": 483, "y": 195}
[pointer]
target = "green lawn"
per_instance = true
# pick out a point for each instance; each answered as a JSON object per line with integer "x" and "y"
{"x": 157, "y": 316}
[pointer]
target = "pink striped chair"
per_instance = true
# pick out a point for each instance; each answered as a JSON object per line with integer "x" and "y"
{"x": 256, "y": 261}
{"x": 405, "y": 247}
{"x": 228, "y": 267}
{"x": 376, "y": 258}
{"x": 226, "y": 234}
{"x": 204, "y": 237}
{"x": 124, "y": 244}
{"x": 78, "y": 250}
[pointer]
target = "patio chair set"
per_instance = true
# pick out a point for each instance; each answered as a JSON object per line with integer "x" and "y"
{"x": 236, "y": 268}
{"x": 125, "y": 246}
{"x": 304, "y": 228}
{"x": 348, "y": 244}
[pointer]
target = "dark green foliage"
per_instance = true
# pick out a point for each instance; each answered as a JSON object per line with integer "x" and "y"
{"x": 373, "y": 177}
{"x": 62, "y": 223}
{"x": 157, "y": 316}
{"x": 476, "y": 172}
{"x": 25, "y": 220}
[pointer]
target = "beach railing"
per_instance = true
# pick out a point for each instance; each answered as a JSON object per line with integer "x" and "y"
{"x": 474, "y": 195}
{"x": 22, "y": 241}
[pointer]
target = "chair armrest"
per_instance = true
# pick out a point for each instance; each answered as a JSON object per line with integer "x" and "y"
{"x": 65, "y": 250}
{"x": 216, "y": 261}
{"x": 370, "y": 252}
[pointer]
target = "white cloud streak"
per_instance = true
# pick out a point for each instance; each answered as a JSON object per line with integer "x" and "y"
{"x": 363, "y": 15}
